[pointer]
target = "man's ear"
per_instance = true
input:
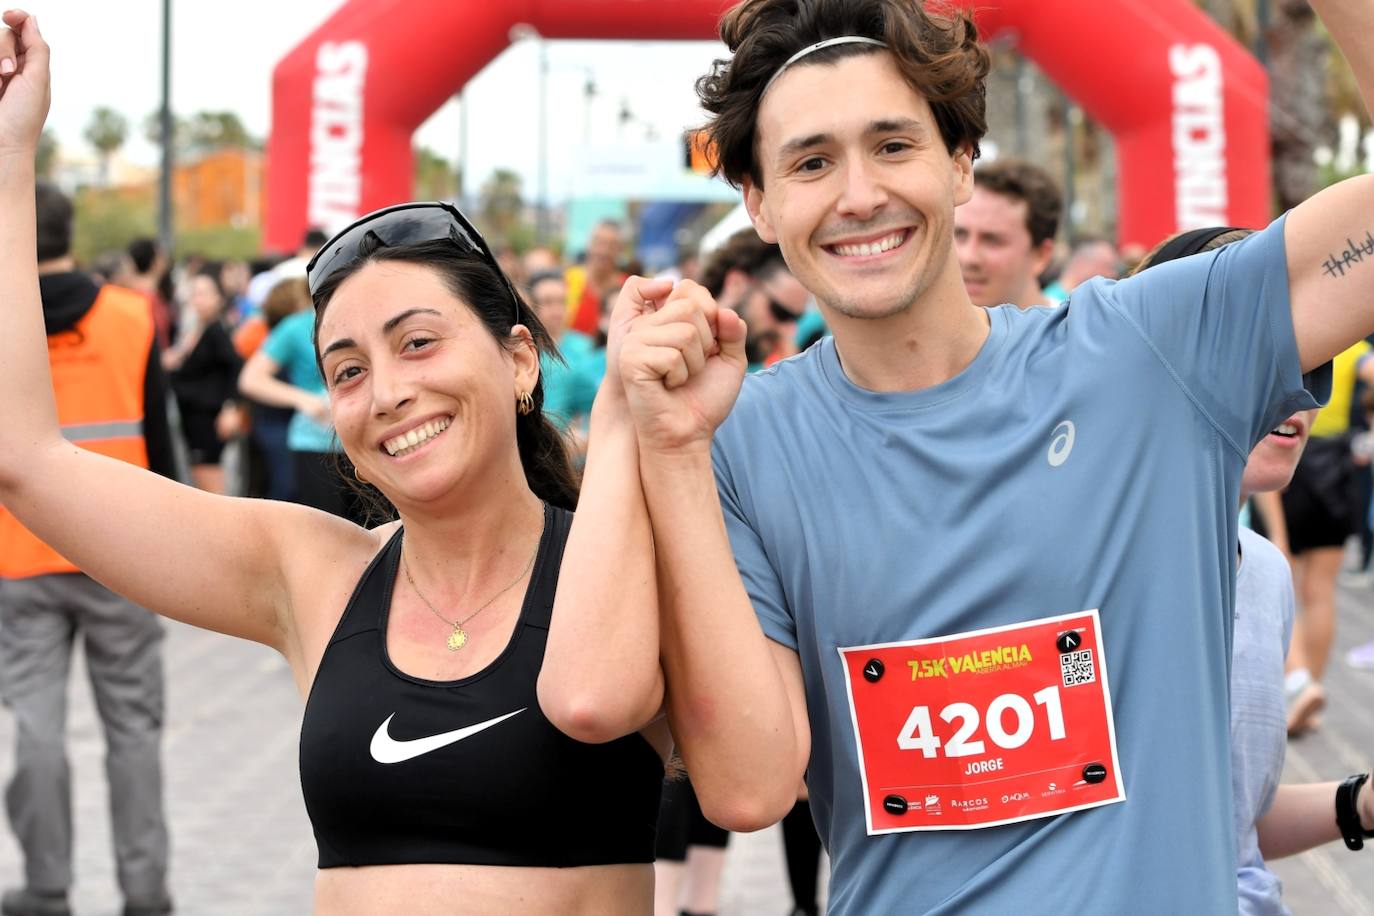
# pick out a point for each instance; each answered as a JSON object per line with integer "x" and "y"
{"x": 962, "y": 162}
{"x": 753, "y": 202}
{"x": 1044, "y": 253}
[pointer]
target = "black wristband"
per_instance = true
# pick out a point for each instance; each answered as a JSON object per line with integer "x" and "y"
{"x": 1348, "y": 813}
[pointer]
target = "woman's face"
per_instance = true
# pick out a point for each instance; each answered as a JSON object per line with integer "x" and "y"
{"x": 205, "y": 299}
{"x": 423, "y": 396}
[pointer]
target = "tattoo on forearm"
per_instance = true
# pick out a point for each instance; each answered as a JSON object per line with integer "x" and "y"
{"x": 1338, "y": 263}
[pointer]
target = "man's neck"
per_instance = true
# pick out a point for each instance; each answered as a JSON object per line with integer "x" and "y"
{"x": 927, "y": 344}
{"x": 1032, "y": 295}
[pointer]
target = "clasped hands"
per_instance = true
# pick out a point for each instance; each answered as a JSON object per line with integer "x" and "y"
{"x": 675, "y": 360}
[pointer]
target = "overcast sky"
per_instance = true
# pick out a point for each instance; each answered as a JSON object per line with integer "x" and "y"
{"x": 107, "y": 53}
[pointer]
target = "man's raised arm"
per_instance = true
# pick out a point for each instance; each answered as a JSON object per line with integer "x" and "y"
{"x": 1330, "y": 237}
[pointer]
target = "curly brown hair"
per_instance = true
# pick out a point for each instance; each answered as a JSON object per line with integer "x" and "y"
{"x": 938, "y": 54}
{"x": 1030, "y": 184}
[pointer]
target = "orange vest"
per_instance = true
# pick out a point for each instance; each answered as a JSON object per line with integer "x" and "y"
{"x": 99, "y": 367}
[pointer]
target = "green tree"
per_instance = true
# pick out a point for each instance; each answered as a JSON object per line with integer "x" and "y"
{"x": 502, "y": 205}
{"x": 211, "y": 130}
{"x": 434, "y": 176}
{"x": 46, "y": 157}
{"x": 106, "y": 130}
{"x": 152, "y": 130}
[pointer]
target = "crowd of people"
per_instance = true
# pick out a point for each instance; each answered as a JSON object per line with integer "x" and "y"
{"x": 684, "y": 551}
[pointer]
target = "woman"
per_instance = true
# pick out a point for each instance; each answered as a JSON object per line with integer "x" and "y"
{"x": 205, "y": 370}
{"x": 271, "y": 424}
{"x": 439, "y": 665}
{"x": 285, "y": 373}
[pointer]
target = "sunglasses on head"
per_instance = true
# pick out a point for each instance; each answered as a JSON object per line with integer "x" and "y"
{"x": 404, "y": 224}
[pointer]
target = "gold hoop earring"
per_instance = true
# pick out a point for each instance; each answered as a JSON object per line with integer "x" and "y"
{"x": 359, "y": 477}
{"x": 524, "y": 404}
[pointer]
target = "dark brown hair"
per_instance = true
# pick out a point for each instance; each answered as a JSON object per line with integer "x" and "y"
{"x": 939, "y": 56}
{"x": 1029, "y": 183}
{"x": 1217, "y": 241}
{"x": 742, "y": 251}
{"x": 543, "y": 451}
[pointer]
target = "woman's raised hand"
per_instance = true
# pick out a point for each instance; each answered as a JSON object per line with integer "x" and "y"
{"x": 25, "y": 91}
{"x": 682, "y": 366}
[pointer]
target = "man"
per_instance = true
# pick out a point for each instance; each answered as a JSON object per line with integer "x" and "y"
{"x": 1004, "y": 235}
{"x": 749, "y": 276}
{"x": 925, "y": 634}
{"x": 147, "y": 265}
{"x": 111, "y": 398}
{"x": 1089, "y": 258}
{"x": 590, "y": 282}
{"x": 568, "y": 391}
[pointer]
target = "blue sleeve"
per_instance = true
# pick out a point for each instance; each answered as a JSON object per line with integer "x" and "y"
{"x": 282, "y": 345}
{"x": 1221, "y": 323}
{"x": 751, "y": 559}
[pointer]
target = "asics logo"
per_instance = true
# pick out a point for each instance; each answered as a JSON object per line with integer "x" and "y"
{"x": 386, "y": 749}
{"x": 1061, "y": 443}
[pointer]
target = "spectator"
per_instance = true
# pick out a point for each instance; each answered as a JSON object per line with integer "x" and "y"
{"x": 1089, "y": 258}
{"x": 1004, "y": 235}
{"x": 111, "y": 399}
{"x": 205, "y": 369}
{"x": 589, "y": 283}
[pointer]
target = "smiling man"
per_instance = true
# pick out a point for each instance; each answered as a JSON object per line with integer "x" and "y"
{"x": 1062, "y": 482}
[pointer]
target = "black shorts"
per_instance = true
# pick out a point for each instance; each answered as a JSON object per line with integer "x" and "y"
{"x": 681, "y": 823}
{"x": 1320, "y": 505}
{"x": 203, "y": 445}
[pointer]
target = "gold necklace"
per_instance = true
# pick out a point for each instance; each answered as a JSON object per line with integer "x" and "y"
{"x": 459, "y": 637}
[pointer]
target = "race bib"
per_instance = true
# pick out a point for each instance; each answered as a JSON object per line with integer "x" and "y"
{"x": 984, "y": 728}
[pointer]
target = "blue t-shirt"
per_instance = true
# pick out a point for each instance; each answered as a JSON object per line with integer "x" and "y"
{"x": 566, "y": 394}
{"x": 291, "y": 346}
{"x": 1259, "y": 728}
{"x": 1089, "y": 456}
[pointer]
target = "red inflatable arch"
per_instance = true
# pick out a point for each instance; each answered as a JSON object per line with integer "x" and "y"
{"x": 1187, "y": 105}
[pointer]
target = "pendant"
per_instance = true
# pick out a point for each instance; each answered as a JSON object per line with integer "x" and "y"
{"x": 457, "y": 639}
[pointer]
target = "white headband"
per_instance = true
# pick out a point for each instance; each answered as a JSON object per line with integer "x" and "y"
{"x": 829, "y": 42}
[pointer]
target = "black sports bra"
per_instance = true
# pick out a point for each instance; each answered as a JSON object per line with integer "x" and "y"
{"x": 399, "y": 770}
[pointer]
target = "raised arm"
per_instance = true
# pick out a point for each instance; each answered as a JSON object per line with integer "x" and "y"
{"x": 1330, "y": 237}
{"x": 210, "y": 561}
{"x": 259, "y": 381}
{"x": 736, "y": 703}
{"x": 601, "y": 676}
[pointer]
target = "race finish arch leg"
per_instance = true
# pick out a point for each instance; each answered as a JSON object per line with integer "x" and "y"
{"x": 1186, "y": 105}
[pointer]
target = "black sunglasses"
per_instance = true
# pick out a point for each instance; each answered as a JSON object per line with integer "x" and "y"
{"x": 781, "y": 313}
{"x": 405, "y": 224}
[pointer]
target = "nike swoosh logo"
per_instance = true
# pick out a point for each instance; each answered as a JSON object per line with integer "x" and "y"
{"x": 386, "y": 749}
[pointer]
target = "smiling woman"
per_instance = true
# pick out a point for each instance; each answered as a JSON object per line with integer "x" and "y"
{"x": 451, "y": 709}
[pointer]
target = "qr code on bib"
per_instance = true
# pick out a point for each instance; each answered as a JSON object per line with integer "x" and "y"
{"x": 1077, "y": 667}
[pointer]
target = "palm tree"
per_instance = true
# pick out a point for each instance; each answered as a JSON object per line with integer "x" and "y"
{"x": 501, "y": 202}
{"x": 46, "y": 157}
{"x": 106, "y": 131}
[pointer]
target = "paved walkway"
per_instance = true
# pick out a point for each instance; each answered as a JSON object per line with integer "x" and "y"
{"x": 242, "y": 845}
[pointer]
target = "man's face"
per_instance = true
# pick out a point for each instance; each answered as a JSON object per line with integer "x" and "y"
{"x": 549, "y": 299}
{"x": 996, "y": 257}
{"x": 603, "y": 249}
{"x": 858, "y": 188}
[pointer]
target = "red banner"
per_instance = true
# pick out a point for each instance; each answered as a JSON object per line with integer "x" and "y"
{"x": 1185, "y": 103}
{"x": 984, "y": 728}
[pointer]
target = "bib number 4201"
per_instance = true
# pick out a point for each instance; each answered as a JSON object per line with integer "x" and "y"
{"x": 918, "y": 734}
